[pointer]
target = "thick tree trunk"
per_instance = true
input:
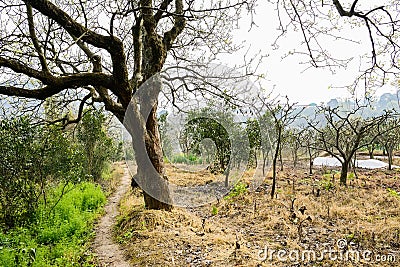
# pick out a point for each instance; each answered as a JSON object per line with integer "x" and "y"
{"x": 154, "y": 150}
{"x": 150, "y": 173}
{"x": 142, "y": 125}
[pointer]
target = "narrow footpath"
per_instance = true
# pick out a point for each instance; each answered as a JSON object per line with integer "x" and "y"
{"x": 108, "y": 252}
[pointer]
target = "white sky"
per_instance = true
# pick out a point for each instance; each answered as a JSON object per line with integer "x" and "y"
{"x": 287, "y": 76}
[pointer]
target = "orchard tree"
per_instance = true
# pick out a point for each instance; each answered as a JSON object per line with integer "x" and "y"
{"x": 309, "y": 142}
{"x": 255, "y": 143}
{"x": 208, "y": 123}
{"x": 283, "y": 114}
{"x": 294, "y": 141}
{"x": 390, "y": 138}
{"x": 343, "y": 132}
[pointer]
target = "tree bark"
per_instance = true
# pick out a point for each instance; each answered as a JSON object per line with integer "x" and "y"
{"x": 390, "y": 157}
{"x": 343, "y": 173}
{"x": 143, "y": 127}
{"x": 274, "y": 162}
{"x": 310, "y": 160}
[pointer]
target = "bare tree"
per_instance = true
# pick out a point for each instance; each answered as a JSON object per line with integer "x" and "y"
{"x": 390, "y": 138}
{"x": 323, "y": 22}
{"x": 283, "y": 113}
{"x": 345, "y": 132}
{"x": 308, "y": 141}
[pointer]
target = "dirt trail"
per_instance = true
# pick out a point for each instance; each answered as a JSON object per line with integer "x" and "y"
{"x": 109, "y": 253}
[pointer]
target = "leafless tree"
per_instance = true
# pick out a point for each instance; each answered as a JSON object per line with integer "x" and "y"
{"x": 343, "y": 133}
{"x": 283, "y": 113}
{"x": 390, "y": 138}
{"x": 373, "y": 23}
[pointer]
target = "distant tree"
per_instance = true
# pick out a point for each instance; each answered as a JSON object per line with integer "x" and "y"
{"x": 283, "y": 114}
{"x": 345, "y": 132}
{"x": 254, "y": 135}
{"x": 309, "y": 142}
{"x": 390, "y": 137}
{"x": 163, "y": 126}
{"x": 293, "y": 141}
{"x": 209, "y": 124}
{"x": 268, "y": 137}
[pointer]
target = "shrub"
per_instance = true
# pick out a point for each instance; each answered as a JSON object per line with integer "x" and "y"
{"x": 97, "y": 146}
{"x": 60, "y": 234}
{"x": 32, "y": 158}
{"x": 238, "y": 189}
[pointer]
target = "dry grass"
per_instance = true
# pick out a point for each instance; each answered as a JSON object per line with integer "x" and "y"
{"x": 182, "y": 175}
{"x": 233, "y": 231}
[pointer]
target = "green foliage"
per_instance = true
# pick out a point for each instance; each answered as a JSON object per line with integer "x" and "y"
{"x": 393, "y": 192}
{"x": 208, "y": 124}
{"x": 36, "y": 158}
{"x": 238, "y": 189}
{"x": 32, "y": 158}
{"x": 60, "y": 234}
{"x": 186, "y": 159}
{"x": 214, "y": 210}
{"x": 97, "y": 146}
{"x": 327, "y": 185}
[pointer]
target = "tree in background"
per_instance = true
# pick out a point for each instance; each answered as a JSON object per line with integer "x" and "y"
{"x": 96, "y": 145}
{"x": 344, "y": 133}
{"x": 309, "y": 142}
{"x": 209, "y": 124}
{"x": 254, "y": 134}
{"x": 390, "y": 137}
{"x": 282, "y": 114}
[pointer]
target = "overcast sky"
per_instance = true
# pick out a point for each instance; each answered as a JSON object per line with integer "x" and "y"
{"x": 287, "y": 76}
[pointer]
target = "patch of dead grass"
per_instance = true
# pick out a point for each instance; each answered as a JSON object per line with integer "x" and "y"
{"x": 363, "y": 213}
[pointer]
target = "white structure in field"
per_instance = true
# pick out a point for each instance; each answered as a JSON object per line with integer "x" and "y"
{"x": 360, "y": 163}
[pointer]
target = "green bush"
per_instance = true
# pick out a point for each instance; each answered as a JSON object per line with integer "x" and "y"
{"x": 98, "y": 147}
{"x": 33, "y": 157}
{"x": 238, "y": 189}
{"x": 60, "y": 234}
{"x": 186, "y": 159}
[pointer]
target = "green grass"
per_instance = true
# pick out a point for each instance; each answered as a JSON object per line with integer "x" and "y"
{"x": 59, "y": 234}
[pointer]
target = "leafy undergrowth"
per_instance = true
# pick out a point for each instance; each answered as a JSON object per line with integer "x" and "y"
{"x": 310, "y": 214}
{"x": 60, "y": 233}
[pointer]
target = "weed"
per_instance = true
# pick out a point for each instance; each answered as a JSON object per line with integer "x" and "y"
{"x": 238, "y": 189}
{"x": 60, "y": 234}
{"x": 214, "y": 210}
{"x": 393, "y": 192}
